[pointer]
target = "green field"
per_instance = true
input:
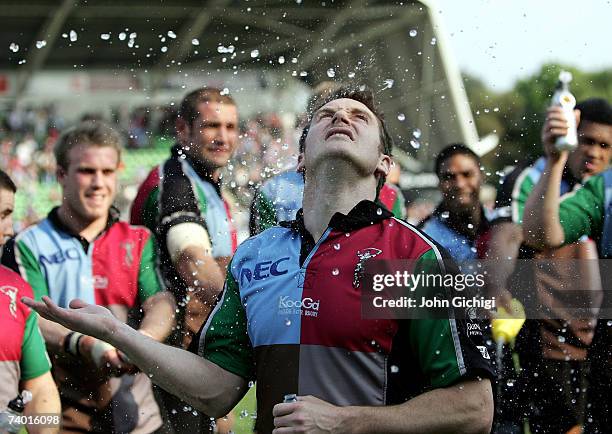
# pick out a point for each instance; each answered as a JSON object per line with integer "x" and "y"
{"x": 245, "y": 412}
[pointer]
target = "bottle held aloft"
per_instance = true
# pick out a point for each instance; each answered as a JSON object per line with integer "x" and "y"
{"x": 564, "y": 99}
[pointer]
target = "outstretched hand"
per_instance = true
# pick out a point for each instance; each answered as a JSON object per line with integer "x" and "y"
{"x": 88, "y": 319}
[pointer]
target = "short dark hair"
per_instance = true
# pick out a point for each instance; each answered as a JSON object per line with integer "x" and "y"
{"x": 452, "y": 150}
{"x": 89, "y": 133}
{"x": 189, "y": 106}
{"x": 6, "y": 183}
{"x": 596, "y": 110}
{"x": 363, "y": 96}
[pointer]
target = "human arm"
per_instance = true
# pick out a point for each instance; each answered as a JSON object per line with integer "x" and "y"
{"x": 502, "y": 253}
{"x": 36, "y": 376}
{"x": 45, "y": 400}
{"x": 203, "y": 384}
{"x": 542, "y": 228}
{"x": 466, "y": 407}
{"x": 158, "y": 316}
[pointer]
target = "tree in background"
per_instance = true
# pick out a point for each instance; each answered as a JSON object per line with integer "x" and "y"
{"x": 516, "y": 116}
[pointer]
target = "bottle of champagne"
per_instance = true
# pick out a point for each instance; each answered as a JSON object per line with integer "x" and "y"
{"x": 564, "y": 99}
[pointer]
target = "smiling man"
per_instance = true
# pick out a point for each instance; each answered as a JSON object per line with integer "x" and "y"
{"x": 351, "y": 374}
{"x": 81, "y": 250}
{"x": 181, "y": 202}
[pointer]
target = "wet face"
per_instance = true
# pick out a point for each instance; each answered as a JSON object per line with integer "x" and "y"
{"x": 594, "y": 150}
{"x": 89, "y": 184}
{"x": 460, "y": 181}
{"x": 348, "y": 130}
{"x": 213, "y": 136}
{"x": 7, "y": 204}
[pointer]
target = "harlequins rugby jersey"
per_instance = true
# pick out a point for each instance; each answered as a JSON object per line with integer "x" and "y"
{"x": 280, "y": 198}
{"x": 179, "y": 191}
{"x": 516, "y": 187}
{"x": 116, "y": 270}
{"x": 290, "y": 317}
{"x": 22, "y": 348}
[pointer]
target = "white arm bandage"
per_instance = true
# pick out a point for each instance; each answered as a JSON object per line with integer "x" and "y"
{"x": 186, "y": 235}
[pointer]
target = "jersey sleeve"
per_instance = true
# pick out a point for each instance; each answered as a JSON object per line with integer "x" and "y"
{"x": 446, "y": 351}
{"x": 34, "y": 359}
{"x": 512, "y": 195}
{"x": 149, "y": 281}
{"x": 225, "y": 340}
{"x": 582, "y": 211}
{"x": 263, "y": 214}
{"x": 17, "y": 256}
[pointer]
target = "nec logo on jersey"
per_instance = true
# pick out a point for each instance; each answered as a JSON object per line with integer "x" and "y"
{"x": 60, "y": 256}
{"x": 262, "y": 270}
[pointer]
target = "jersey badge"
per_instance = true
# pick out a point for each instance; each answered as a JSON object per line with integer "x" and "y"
{"x": 11, "y": 293}
{"x": 363, "y": 256}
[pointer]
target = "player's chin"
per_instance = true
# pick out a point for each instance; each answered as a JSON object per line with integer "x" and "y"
{"x": 218, "y": 158}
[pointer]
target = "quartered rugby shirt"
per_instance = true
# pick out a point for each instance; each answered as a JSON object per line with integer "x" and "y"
{"x": 116, "y": 270}
{"x": 325, "y": 348}
{"x": 22, "y": 348}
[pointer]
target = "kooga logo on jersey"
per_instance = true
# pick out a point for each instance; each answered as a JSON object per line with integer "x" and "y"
{"x": 262, "y": 270}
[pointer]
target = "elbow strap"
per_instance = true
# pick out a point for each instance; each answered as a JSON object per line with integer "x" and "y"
{"x": 185, "y": 235}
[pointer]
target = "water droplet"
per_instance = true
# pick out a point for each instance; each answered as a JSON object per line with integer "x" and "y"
{"x": 609, "y": 323}
{"x": 281, "y": 59}
{"x": 171, "y": 34}
{"x": 437, "y": 352}
{"x": 561, "y": 339}
{"x": 122, "y": 36}
{"x": 40, "y": 44}
{"x": 433, "y": 41}
{"x": 394, "y": 369}
{"x": 164, "y": 49}
{"x": 303, "y": 74}
{"x": 73, "y": 36}
{"x": 510, "y": 383}
{"x": 379, "y": 211}
{"x": 14, "y": 47}
{"x": 415, "y": 144}
{"x": 473, "y": 249}
{"x": 195, "y": 41}
{"x": 335, "y": 272}
{"x": 243, "y": 414}
{"x": 348, "y": 234}
{"x": 416, "y": 133}
{"x": 331, "y": 73}
{"x": 106, "y": 37}
{"x": 255, "y": 53}
{"x": 445, "y": 214}
{"x": 470, "y": 226}
{"x": 287, "y": 322}
{"x": 133, "y": 35}
{"x": 337, "y": 246}
{"x": 401, "y": 117}
{"x": 388, "y": 83}
{"x": 173, "y": 411}
{"x": 412, "y": 33}
{"x": 251, "y": 384}
{"x": 351, "y": 75}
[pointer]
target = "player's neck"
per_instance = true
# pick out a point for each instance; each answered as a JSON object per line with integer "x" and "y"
{"x": 88, "y": 229}
{"x": 329, "y": 191}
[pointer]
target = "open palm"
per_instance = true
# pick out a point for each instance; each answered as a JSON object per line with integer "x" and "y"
{"x": 88, "y": 319}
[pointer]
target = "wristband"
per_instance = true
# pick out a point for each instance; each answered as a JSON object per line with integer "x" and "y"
{"x": 71, "y": 343}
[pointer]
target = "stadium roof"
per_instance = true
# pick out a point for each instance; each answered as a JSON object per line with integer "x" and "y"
{"x": 395, "y": 47}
